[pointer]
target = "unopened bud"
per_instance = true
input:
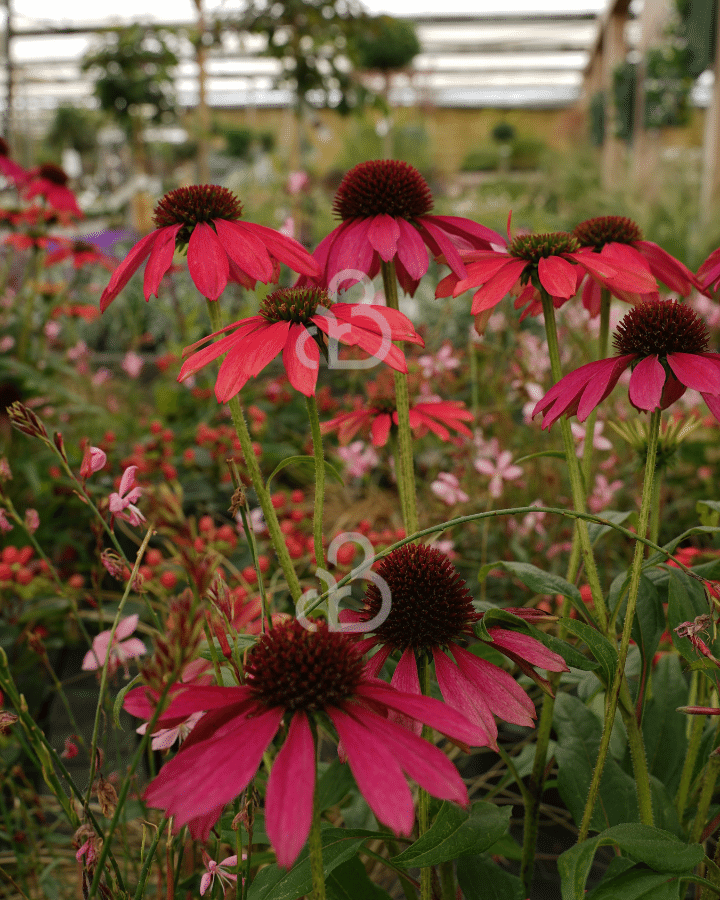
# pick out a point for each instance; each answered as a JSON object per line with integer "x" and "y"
{"x": 25, "y": 420}
{"x": 94, "y": 459}
{"x": 6, "y": 720}
{"x": 60, "y": 445}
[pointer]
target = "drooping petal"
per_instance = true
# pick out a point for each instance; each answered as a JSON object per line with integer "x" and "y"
{"x": 248, "y": 359}
{"x": 529, "y": 648}
{"x": 634, "y": 272}
{"x": 472, "y": 232}
{"x": 350, "y": 252}
{"x": 405, "y": 678}
{"x": 417, "y": 418}
{"x": 207, "y": 261}
{"x": 598, "y": 389}
{"x": 558, "y": 276}
{"x": 493, "y": 291}
{"x": 301, "y": 358}
{"x": 213, "y": 772}
{"x": 463, "y": 696}
{"x": 441, "y": 245}
{"x": 380, "y": 429}
{"x": 698, "y": 371}
{"x": 502, "y": 693}
{"x": 646, "y": 383}
{"x": 245, "y": 248}
{"x": 709, "y": 271}
{"x": 383, "y": 235}
{"x": 289, "y": 801}
{"x": 186, "y": 700}
{"x": 127, "y": 268}
{"x": 160, "y": 260}
{"x": 666, "y": 268}
{"x": 713, "y": 404}
{"x": 200, "y": 359}
{"x": 286, "y": 249}
{"x": 412, "y": 252}
{"x": 377, "y": 772}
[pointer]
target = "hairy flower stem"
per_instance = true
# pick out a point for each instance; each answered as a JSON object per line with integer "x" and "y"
{"x": 319, "y": 480}
{"x": 426, "y": 892}
{"x": 263, "y": 495}
{"x": 708, "y": 788}
{"x": 696, "y": 725}
{"x": 603, "y": 339}
{"x": 642, "y": 778}
{"x": 405, "y": 469}
{"x": 315, "y": 839}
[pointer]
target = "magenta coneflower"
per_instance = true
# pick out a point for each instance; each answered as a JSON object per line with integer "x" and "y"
{"x": 50, "y": 181}
{"x": 665, "y": 344}
{"x": 204, "y": 218}
{"x": 10, "y": 169}
{"x": 384, "y": 206}
{"x": 80, "y": 252}
{"x": 292, "y": 676}
{"x": 437, "y": 416}
{"x": 553, "y": 262}
{"x": 709, "y": 273}
{"x": 431, "y": 611}
{"x": 287, "y": 322}
{"x": 619, "y": 240}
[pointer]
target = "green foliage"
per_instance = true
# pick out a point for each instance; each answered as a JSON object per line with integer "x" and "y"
{"x": 697, "y": 31}
{"x": 73, "y": 127}
{"x": 596, "y": 117}
{"x": 386, "y": 44}
{"x": 503, "y": 133}
{"x": 623, "y": 86}
{"x": 667, "y": 87}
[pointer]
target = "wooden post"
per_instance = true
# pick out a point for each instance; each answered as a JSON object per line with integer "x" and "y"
{"x": 203, "y": 110}
{"x": 614, "y": 50}
{"x": 710, "y": 186}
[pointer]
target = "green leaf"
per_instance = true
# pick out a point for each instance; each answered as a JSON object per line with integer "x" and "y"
{"x": 687, "y": 601}
{"x": 495, "y": 616}
{"x": 599, "y": 646}
{"x": 120, "y": 699}
{"x": 538, "y": 581}
{"x": 482, "y": 879}
{"x": 579, "y": 730}
{"x": 648, "y": 626}
{"x": 552, "y": 454}
{"x": 657, "y": 849}
{"x": 614, "y": 516}
{"x": 305, "y": 462}
{"x": 572, "y": 656}
{"x": 709, "y": 512}
{"x": 335, "y": 783}
{"x": 663, "y": 727}
{"x": 350, "y": 881}
{"x": 338, "y": 846}
{"x": 637, "y": 884}
{"x": 455, "y": 833}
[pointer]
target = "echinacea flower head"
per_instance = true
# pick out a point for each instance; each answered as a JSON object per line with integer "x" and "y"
{"x": 50, "y": 182}
{"x": 665, "y": 344}
{"x": 289, "y": 321}
{"x": 430, "y": 614}
{"x": 122, "y": 648}
{"x": 294, "y": 675}
{"x": 205, "y": 220}
{"x": 384, "y": 205}
{"x": 620, "y": 241}
{"x": 527, "y": 265}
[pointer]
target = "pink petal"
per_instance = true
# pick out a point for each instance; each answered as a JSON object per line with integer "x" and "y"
{"x": 440, "y": 244}
{"x": 633, "y": 269}
{"x": 126, "y": 627}
{"x": 380, "y": 429}
{"x": 646, "y": 383}
{"x": 285, "y": 249}
{"x": 558, "y": 276}
{"x": 93, "y": 659}
{"x": 301, "y": 358}
{"x": 351, "y": 249}
{"x": 425, "y": 764}
{"x": 205, "y": 882}
{"x": 245, "y": 248}
{"x": 417, "y": 418}
{"x": 127, "y": 480}
{"x": 186, "y": 700}
{"x": 383, "y": 235}
{"x": 160, "y": 260}
{"x": 207, "y": 261}
{"x": 698, "y": 371}
{"x": 601, "y": 386}
{"x": 462, "y": 695}
{"x": 250, "y": 358}
{"x": 127, "y": 268}
{"x": 529, "y": 648}
{"x": 200, "y": 359}
{"x": 405, "y": 678}
{"x": 200, "y": 826}
{"x": 131, "y": 648}
{"x": 377, "y": 772}
{"x": 713, "y": 404}
{"x": 476, "y": 235}
{"x": 212, "y": 772}
{"x": 502, "y": 693}
{"x": 666, "y": 268}
{"x": 289, "y": 801}
{"x": 412, "y": 252}
{"x": 493, "y": 291}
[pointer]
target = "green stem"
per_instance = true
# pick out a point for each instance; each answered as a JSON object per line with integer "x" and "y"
{"x": 263, "y": 495}
{"x": 405, "y": 468}
{"x": 611, "y": 701}
{"x": 535, "y": 787}
{"x": 655, "y": 515}
{"x": 315, "y": 840}
{"x": 695, "y": 739}
{"x": 424, "y": 798}
{"x": 602, "y": 353}
{"x": 706, "y": 794}
{"x": 638, "y": 756}
{"x": 319, "y": 480}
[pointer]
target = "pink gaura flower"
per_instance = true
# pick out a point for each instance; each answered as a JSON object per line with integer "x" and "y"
{"x": 384, "y": 206}
{"x": 292, "y": 675}
{"x": 442, "y": 361}
{"x": 50, "y": 181}
{"x": 447, "y": 487}
{"x": 665, "y": 345}
{"x": 122, "y": 502}
{"x": 431, "y": 611}
{"x": 93, "y": 460}
{"x": 122, "y": 649}
{"x": 619, "y": 240}
{"x": 603, "y": 493}
{"x": 288, "y": 321}
{"x": 220, "y": 869}
{"x": 498, "y": 472}
{"x": 220, "y": 248}
{"x": 553, "y": 262}
{"x": 359, "y": 459}
{"x": 196, "y": 672}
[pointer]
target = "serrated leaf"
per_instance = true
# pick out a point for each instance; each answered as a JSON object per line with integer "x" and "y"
{"x": 598, "y": 644}
{"x": 658, "y": 849}
{"x": 482, "y": 879}
{"x": 305, "y": 462}
{"x": 455, "y": 833}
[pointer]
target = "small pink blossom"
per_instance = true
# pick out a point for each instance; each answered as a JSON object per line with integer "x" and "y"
{"x": 71, "y": 748}
{"x": 122, "y": 649}
{"x": 94, "y": 459}
{"x": 288, "y": 227}
{"x": 599, "y": 442}
{"x": 442, "y": 361}
{"x": 359, "y": 458}
{"x": 132, "y": 364}
{"x": 603, "y": 493}
{"x": 498, "y": 472}
{"x": 102, "y": 375}
{"x": 52, "y": 330}
{"x": 447, "y": 487}
{"x": 4, "y": 524}
{"x": 296, "y": 182}
{"x": 531, "y": 523}
{"x": 125, "y": 497}
{"x": 78, "y": 352}
{"x": 7, "y": 343}
{"x": 219, "y": 869}
{"x": 32, "y": 520}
